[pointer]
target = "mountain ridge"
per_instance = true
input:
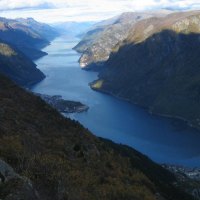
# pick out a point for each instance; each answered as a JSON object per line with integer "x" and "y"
{"x": 28, "y": 35}
{"x": 98, "y": 42}
{"x": 21, "y": 41}
{"x": 157, "y": 67}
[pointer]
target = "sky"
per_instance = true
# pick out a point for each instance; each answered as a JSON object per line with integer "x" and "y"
{"x": 53, "y": 11}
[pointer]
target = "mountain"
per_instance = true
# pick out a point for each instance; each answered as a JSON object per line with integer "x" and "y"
{"x": 20, "y": 43}
{"x": 18, "y": 67}
{"x": 45, "y": 31}
{"x": 98, "y": 42}
{"x": 46, "y": 156}
{"x": 72, "y": 28}
{"x": 27, "y": 35}
{"x": 158, "y": 67}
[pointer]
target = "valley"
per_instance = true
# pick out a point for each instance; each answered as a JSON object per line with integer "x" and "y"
{"x": 111, "y": 118}
{"x": 109, "y": 114}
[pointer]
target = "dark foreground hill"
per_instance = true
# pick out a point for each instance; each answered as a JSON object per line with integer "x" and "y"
{"x": 45, "y": 156}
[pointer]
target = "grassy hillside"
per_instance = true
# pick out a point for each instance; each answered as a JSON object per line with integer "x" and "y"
{"x": 62, "y": 160}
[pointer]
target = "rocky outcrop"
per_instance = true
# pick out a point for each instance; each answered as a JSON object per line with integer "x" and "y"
{"x": 98, "y": 43}
{"x": 6, "y": 172}
{"x": 157, "y": 67}
{"x": 13, "y": 186}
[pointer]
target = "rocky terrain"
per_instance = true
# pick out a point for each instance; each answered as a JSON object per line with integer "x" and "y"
{"x": 17, "y": 186}
{"x": 46, "y": 156}
{"x": 157, "y": 67}
{"x": 98, "y": 43}
{"x": 63, "y": 106}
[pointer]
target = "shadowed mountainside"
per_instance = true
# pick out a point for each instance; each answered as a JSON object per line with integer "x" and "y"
{"x": 28, "y": 35}
{"x": 20, "y": 42}
{"x": 157, "y": 67}
{"x": 15, "y": 65}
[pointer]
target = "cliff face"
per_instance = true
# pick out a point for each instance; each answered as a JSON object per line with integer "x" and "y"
{"x": 100, "y": 40}
{"x": 56, "y": 158}
{"x": 27, "y": 35}
{"x": 15, "y": 65}
{"x": 157, "y": 67}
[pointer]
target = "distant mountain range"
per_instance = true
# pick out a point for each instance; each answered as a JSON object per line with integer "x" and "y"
{"x": 73, "y": 28}
{"x": 20, "y": 43}
{"x": 27, "y": 35}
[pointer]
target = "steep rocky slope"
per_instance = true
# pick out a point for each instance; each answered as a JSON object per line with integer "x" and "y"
{"x": 56, "y": 158}
{"x": 27, "y": 35}
{"x": 158, "y": 67}
{"x": 15, "y": 65}
{"x": 99, "y": 41}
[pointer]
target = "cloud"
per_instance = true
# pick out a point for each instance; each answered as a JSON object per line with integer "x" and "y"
{"x": 85, "y": 10}
{"x": 20, "y": 4}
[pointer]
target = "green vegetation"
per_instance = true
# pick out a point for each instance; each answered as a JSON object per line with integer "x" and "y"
{"x": 97, "y": 84}
{"x": 65, "y": 161}
{"x": 5, "y": 50}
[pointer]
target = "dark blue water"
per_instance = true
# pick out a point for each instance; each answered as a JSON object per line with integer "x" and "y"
{"x": 161, "y": 139}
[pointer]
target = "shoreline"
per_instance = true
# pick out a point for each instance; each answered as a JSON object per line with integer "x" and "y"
{"x": 62, "y": 105}
{"x": 181, "y": 119}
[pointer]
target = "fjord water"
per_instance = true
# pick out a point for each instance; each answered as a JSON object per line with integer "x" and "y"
{"x": 163, "y": 140}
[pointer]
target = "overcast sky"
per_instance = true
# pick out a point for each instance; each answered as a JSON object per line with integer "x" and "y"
{"x": 52, "y": 11}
